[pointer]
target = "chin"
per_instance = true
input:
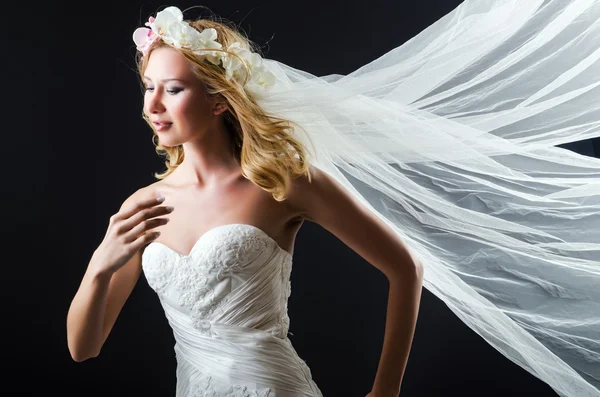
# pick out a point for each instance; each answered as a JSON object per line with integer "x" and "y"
{"x": 166, "y": 142}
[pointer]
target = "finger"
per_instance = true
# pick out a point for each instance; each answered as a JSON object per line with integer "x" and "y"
{"x": 145, "y": 227}
{"x": 144, "y": 240}
{"x": 143, "y": 215}
{"x": 138, "y": 206}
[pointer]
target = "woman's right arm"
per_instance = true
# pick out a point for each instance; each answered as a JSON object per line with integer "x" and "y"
{"x": 96, "y": 306}
{"x": 111, "y": 275}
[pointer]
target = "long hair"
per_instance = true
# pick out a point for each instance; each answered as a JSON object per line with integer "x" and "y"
{"x": 264, "y": 146}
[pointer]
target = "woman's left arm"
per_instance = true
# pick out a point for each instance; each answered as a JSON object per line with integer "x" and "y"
{"x": 327, "y": 203}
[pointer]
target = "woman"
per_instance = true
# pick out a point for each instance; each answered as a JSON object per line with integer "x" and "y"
{"x": 238, "y": 186}
{"x": 446, "y": 144}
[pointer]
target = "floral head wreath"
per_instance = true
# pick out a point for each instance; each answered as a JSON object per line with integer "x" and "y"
{"x": 241, "y": 64}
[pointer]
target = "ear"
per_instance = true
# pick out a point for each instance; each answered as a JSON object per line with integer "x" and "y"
{"x": 219, "y": 108}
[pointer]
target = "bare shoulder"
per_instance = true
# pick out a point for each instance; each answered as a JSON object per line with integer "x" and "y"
{"x": 303, "y": 192}
{"x": 141, "y": 194}
{"x": 326, "y": 201}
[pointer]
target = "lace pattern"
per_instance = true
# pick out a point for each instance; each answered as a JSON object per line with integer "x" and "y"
{"x": 220, "y": 257}
{"x": 158, "y": 273}
{"x": 205, "y": 388}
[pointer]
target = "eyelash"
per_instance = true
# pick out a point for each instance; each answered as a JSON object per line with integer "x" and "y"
{"x": 172, "y": 92}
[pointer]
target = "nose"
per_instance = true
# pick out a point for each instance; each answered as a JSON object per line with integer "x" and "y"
{"x": 154, "y": 103}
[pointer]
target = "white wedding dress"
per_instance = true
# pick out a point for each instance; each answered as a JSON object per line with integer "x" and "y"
{"x": 226, "y": 302}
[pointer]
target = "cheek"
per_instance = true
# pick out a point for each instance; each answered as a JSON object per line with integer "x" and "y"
{"x": 192, "y": 110}
{"x": 178, "y": 109}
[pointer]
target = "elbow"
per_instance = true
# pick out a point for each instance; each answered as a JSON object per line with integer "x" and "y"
{"x": 81, "y": 349}
{"x": 80, "y": 355}
{"x": 79, "y": 358}
{"x": 409, "y": 273}
{"x": 417, "y": 271}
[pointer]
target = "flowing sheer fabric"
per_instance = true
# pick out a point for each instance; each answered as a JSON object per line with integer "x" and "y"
{"x": 451, "y": 139}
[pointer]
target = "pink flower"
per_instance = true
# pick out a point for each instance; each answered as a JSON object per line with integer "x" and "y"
{"x": 143, "y": 38}
{"x": 150, "y": 21}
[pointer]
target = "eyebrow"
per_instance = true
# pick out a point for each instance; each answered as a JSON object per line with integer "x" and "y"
{"x": 165, "y": 80}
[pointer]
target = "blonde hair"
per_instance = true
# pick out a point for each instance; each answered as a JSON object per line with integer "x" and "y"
{"x": 263, "y": 144}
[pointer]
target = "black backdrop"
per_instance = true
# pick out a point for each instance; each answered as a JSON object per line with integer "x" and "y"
{"x": 75, "y": 146}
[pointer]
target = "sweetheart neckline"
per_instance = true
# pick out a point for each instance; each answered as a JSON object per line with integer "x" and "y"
{"x": 265, "y": 234}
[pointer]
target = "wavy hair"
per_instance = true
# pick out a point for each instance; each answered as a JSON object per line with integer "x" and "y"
{"x": 264, "y": 144}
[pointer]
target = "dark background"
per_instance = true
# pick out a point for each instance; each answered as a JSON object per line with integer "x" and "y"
{"x": 75, "y": 147}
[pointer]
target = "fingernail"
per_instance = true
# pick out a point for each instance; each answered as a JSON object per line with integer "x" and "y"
{"x": 161, "y": 199}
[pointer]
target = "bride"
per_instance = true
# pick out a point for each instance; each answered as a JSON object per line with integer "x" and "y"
{"x": 446, "y": 144}
{"x": 238, "y": 187}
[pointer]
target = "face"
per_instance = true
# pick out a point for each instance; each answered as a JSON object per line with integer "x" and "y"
{"x": 175, "y": 95}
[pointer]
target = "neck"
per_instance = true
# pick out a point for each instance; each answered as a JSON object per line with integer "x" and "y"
{"x": 208, "y": 161}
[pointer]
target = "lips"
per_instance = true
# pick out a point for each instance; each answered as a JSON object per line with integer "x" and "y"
{"x": 161, "y": 126}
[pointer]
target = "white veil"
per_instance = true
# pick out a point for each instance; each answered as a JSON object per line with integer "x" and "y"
{"x": 451, "y": 139}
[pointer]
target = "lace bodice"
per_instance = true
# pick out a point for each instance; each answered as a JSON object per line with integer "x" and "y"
{"x": 224, "y": 259}
{"x": 226, "y": 302}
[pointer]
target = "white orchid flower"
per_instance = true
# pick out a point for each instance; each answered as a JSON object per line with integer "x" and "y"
{"x": 166, "y": 18}
{"x": 254, "y": 61}
{"x": 182, "y": 35}
{"x": 265, "y": 78}
{"x": 259, "y": 74}
{"x": 233, "y": 63}
{"x": 208, "y": 39}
